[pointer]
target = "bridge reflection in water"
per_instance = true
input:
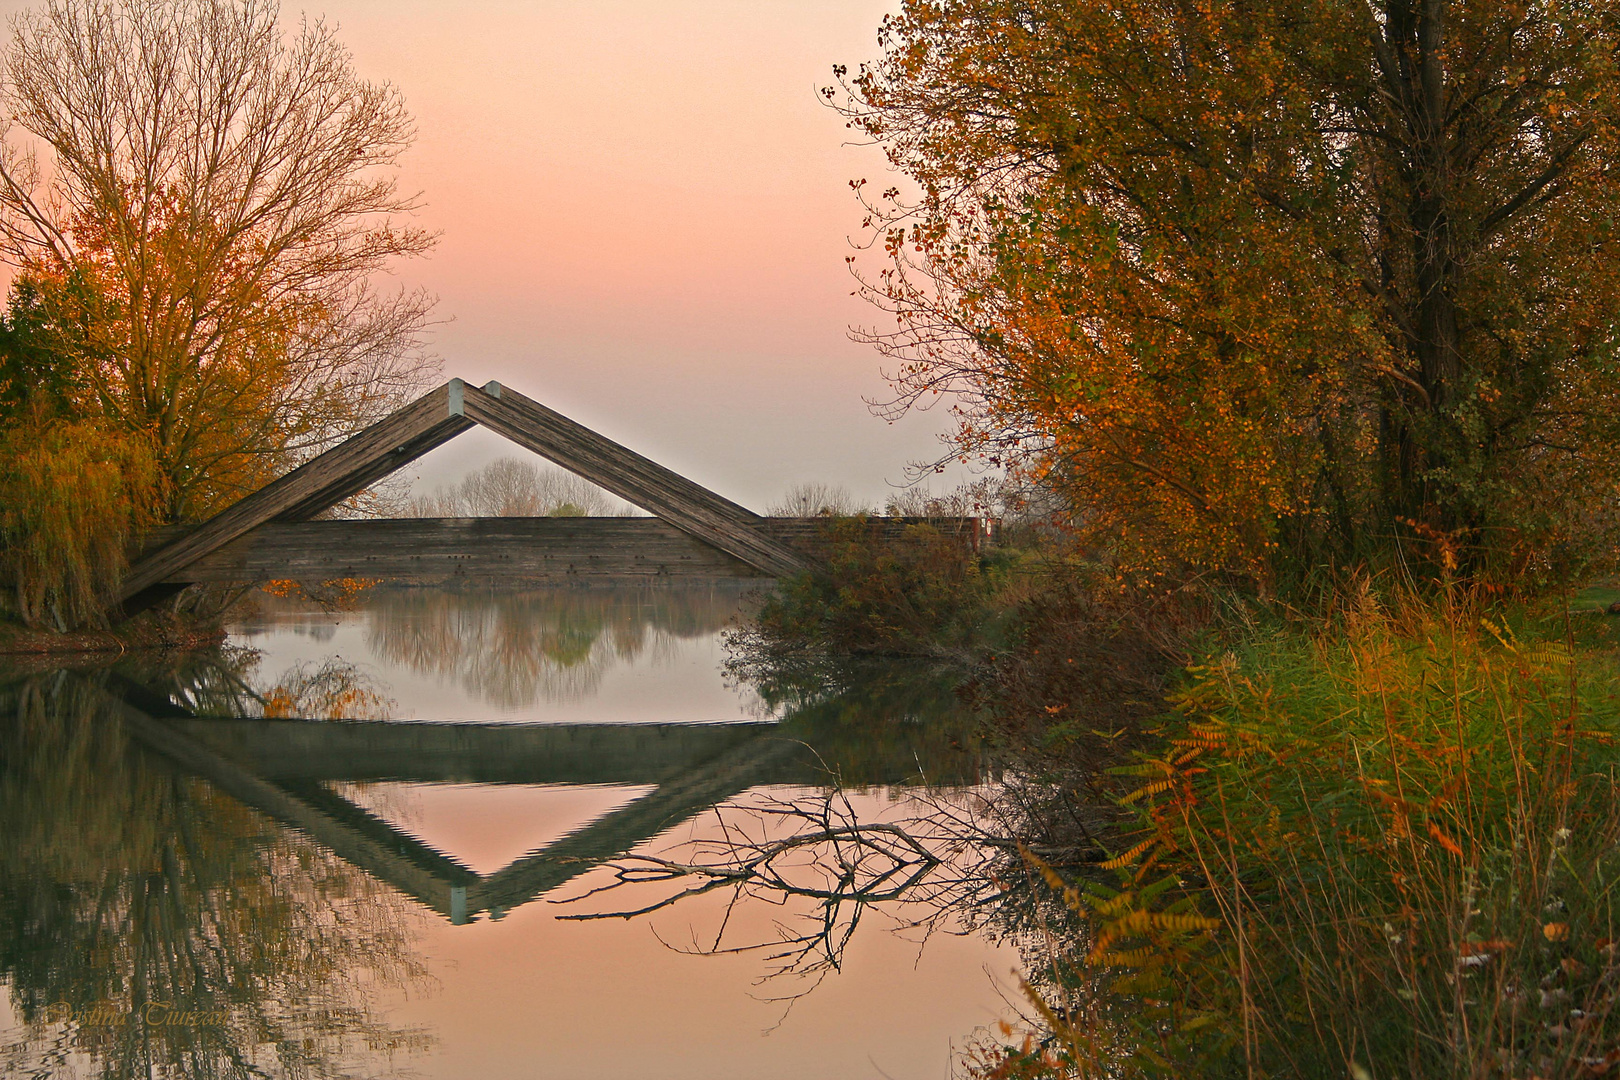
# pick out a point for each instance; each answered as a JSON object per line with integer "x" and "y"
{"x": 168, "y": 839}
{"x": 287, "y": 769}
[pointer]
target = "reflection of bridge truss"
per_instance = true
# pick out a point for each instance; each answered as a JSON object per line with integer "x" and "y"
{"x": 282, "y": 767}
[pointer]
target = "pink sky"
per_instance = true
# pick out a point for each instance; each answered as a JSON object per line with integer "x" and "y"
{"x": 645, "y": 213}
{"x": 645, "y": 210}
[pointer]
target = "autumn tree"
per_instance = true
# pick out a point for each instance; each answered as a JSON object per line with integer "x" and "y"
{"x": 1263, "y": 287}
{"x": 197, "y": 206}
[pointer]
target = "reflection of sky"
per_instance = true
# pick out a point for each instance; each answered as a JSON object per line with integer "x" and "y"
{"x": 486, "y": 827}
{"x": 532, "y": 995}
{"x": 620, "y": 1000}
{"x": 670, "y": 677}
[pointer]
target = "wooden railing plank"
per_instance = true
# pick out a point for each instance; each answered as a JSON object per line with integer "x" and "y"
{"x": 560, "y": 549}
{"x": 502, "y": 548}
{"x": 312, "y": 487}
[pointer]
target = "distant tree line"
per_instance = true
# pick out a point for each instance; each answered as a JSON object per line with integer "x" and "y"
{"x": 992, "y": 496}
{"x": 513, "y": 488}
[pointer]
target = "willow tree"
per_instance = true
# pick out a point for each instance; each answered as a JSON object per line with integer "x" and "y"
{"x": 1263, "y": 286}
{"x": 199, "y": 205}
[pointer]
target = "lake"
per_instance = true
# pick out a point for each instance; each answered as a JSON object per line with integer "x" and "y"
{"x": 468, "y": 834}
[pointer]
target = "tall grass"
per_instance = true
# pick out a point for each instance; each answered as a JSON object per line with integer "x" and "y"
{"x": 1382, "y": 847}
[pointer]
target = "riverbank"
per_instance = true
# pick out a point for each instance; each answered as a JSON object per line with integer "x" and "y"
{"x": 148, "y": 635}
{"x": 1371, "y": 841}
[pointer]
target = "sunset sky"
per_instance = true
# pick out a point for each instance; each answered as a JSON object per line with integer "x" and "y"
{"x": 645, "y": 213}
{"x": 645, "y": 209}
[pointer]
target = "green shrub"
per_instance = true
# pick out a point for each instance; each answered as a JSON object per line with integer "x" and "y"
{"x": 925, "y": 594}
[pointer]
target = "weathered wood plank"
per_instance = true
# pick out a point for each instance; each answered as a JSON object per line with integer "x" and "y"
{"x": 536, "y": 549}
{"x": 540, "y": 549}
{"x": 689, "y": 506}
{"x": 310, "y": 488}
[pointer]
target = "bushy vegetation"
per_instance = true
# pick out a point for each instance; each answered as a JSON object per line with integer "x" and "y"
{"x": 73, "y": 497}
{"x": 926, "y": 594}
{"x": 1275, "y": 300}
{"x": 1381, "y": 846}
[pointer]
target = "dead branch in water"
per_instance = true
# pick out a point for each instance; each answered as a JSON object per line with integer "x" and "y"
{"x": 929, "y": 868}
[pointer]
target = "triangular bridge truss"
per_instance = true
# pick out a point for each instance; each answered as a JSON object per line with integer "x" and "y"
{"x": 714, "y": 522}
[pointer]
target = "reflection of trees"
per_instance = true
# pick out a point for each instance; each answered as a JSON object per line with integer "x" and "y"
{"x": 123, "y": 883}
{"x": 515, "y": 648}
{"x": 225, "y": 682}
{"x": 876, "y": 715}
{"x": 330, "y": 690}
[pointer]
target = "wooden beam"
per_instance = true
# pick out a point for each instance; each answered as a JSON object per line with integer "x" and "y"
{"x": 690, "y": 507}
{"x": 558, "y": 550}
{"x": 540, "y": 550}
{"x": 312, "y": 487}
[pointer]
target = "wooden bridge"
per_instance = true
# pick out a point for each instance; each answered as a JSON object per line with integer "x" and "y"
{"x": 271, "y": 534}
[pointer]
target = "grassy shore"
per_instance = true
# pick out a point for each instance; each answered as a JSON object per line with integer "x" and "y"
{"x": 142, "y": 636}
{"x": 1380, "y": 840}
{"x": 1380, "y": 843}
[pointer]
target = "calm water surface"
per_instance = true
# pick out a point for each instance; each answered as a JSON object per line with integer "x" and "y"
{"x": 361, "y": 843}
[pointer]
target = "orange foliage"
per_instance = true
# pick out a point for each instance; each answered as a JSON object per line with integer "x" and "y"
{"x": 1261, "y": 286}
{"x": 338, "y": 594}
